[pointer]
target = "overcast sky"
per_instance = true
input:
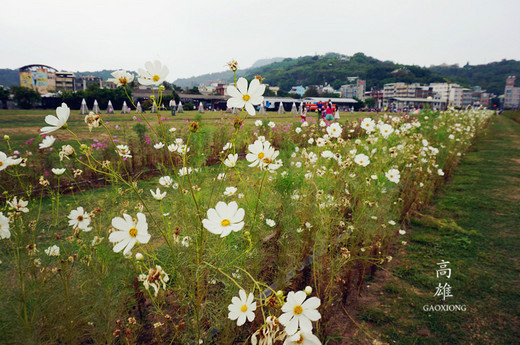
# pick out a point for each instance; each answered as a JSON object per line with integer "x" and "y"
{"x": 193, "y": 37}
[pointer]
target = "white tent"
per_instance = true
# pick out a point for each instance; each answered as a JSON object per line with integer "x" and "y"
{"x": 125, "y": 109}
{"x": 180, "y": 109}
{"x": 201, "y": 108}
{"x": 281, "y": 109}
{"x": 83, "y": 110}
{"x": 95, "y": 108}
{"x": 138, "y": 108}
{"x": 110, "y": 108}
{"x": 262, "y": 109}
{"x": 294, "y": 110}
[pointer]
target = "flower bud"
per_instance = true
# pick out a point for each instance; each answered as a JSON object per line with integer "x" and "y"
{"x": 308, "y": 290}
{"x": 6, "y": 137}
{"x": 279, "y": 293}
{"x": 139, "y": 257}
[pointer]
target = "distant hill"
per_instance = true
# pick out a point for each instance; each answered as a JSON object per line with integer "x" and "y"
{"x": 226, "y": 76}
{"x": 333, "y": 68}
{"x": 9, "y": 77}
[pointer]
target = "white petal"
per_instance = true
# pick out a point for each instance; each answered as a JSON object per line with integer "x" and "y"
{"x": 233, "y": 92}
{"x": 242, "y": 85}
{"x": 250, "y": 109}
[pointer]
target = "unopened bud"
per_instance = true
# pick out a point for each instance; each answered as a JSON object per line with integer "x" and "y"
{"x": 308, "y": 290}
{"x": 139, "y": 257}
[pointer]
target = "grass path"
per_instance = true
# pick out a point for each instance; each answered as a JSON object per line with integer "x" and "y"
{"x": 474, "y": 224}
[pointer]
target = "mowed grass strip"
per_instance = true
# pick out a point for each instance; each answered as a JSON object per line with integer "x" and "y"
{"x": 474, "y": 224}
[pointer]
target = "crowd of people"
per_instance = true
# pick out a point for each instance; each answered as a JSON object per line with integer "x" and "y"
{"x": 326, "y": 111}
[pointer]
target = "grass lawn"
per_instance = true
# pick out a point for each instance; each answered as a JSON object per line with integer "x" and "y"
{"x": 473, "y": 224}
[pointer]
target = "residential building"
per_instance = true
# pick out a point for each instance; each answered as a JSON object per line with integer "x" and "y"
{"x": 82, "y": 82}
{"x": 353, "y": 90}
{"x": 511, "y": 94}
{"x": 65, "y": 81}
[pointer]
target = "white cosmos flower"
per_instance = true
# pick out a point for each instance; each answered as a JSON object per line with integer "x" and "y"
{"x": 80, "y": 219}
{"x": 305, "y": 124}
{"x": 224, "y": 218}
{"x": 230, "y": 191}
{"x": 242, "y": 96}
{"x": 185, "y": 171}
{"x": 58, "y": 121}
{"x": 258, "y": 123}
{"x": 402, "y": 232}
{"x": 172, "y": 147}
{"x": 362, "y": 159}
{"x": 4, "y": 227}
{"x": 302, "y": 338}
{"x": 440, "y": 172}
{"x": 299, "y": 313}
{"x": 231, "y": 160}
{"x": 47, "y": 142}
{"x": 130, "y": 231}
{"x": 19, "y": 205}
{"x": 53, "y": 251}
{"x": 334, "y": 130}
{"x": 58, "y": 171}
{"x": 242, "y": 308}
{"x": 298, "y": 130}
{"x": 165, "y": 181}
{"x": 271, "y": 124}
{"x": 121, "y": 78}
{"x": 158, "y": 146}
{"x": 124, "y": 151}
{"x": 386, "y": 130}
{"x": 154, "y": 74}
{"x": 227, "y": 146}
{"x": 157, "y": 195}
{"x": 270, "y": 222}
{"x": 261, "y": 154}
{"x": 393, "y": 175}
{"x": 368, "y": 124}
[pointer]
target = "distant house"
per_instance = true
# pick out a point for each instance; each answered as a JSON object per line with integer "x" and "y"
{"x": 511, "y": 94}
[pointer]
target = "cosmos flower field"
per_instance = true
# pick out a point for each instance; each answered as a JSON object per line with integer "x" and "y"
{"x": 204, "y": 233}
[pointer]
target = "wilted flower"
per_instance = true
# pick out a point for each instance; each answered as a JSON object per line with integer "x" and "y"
{"x": 47, "y": 142}
{"x": 154, "y": 74}
{"x": 131, "y": 231}
{"x": 242, "y": 96}
{"x": 242, "y": 308}
{"x": 66, "y": 152}
{"x": 92, "y": 120}
{"x": 19, "y": 205}
{"x": 156, "y": 278}
{"x": 233, "y": 65}
{"x": 58, "y": 121}
{"x": 224, "y": 218}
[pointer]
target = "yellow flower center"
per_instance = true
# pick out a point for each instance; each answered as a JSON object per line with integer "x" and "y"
{"x": 133, "y": 232}
{"x": 156, "y": 78}
{"x": 1, "y": 163}
{"x": 267, "y": 160}
{"x": 260, "y": 155}
{"x": 246, "y": 97}
{"x": 300, "y": 341}
{"x": 123, "y": 80}
{"x": 244, "y": 308}
{"x": 360, "y": 162}
{"x": 225, "y": 222}
{"x": 298, "y": 310}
